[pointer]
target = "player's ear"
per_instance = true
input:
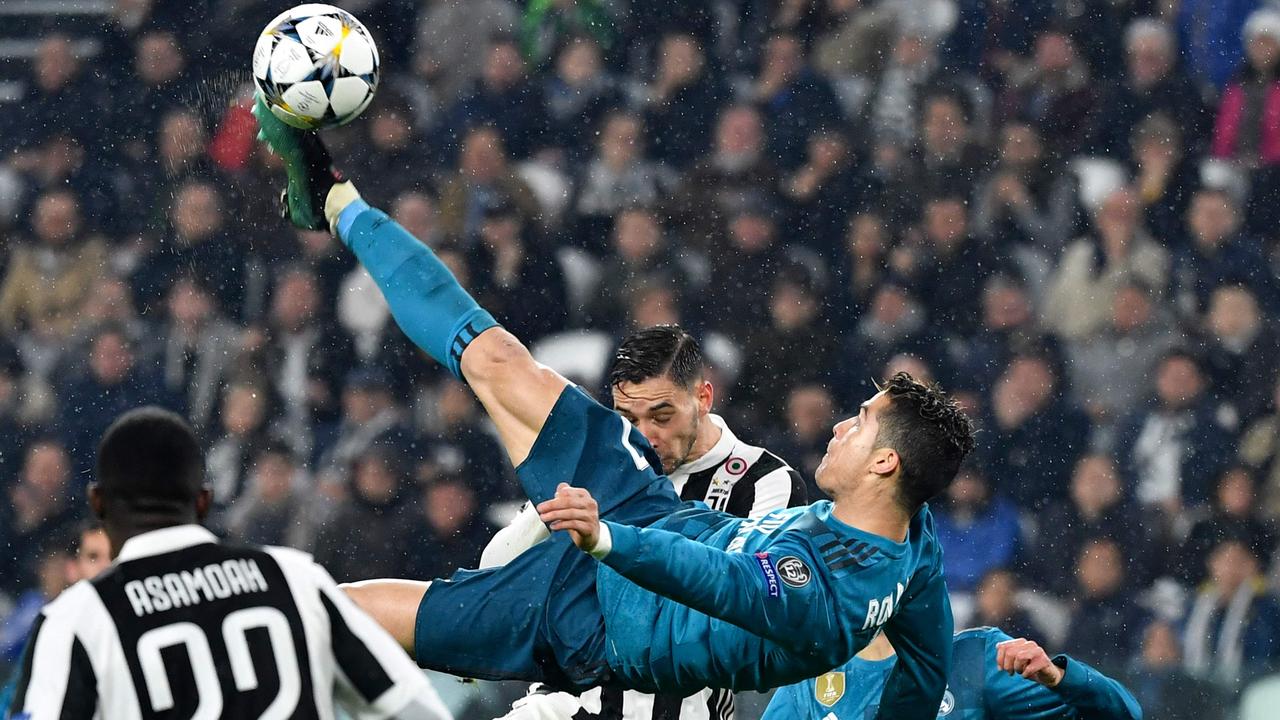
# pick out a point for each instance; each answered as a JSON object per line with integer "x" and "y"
{"x": 204, "y": 502}
{"x": 885, "y": 461}
{"x": 706, "y": 394}
{"x": 97, "y": 504}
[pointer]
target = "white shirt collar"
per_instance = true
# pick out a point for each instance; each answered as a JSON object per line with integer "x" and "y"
{"x": 716, "y": 455}
{"x": 164, "y": 540}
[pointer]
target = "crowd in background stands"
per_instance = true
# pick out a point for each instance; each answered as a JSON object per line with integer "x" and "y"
{"x": 1066, "y": 213}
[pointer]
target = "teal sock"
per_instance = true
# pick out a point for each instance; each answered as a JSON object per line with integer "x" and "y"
{"x": 426, "y": 300}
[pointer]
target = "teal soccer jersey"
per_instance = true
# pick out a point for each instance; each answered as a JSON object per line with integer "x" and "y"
{"x": 977, "y": 690}
{"x": 800, "y": 592}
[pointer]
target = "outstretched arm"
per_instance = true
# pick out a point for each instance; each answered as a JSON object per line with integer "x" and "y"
{"x": 1023, "y": 683}
{"x": 740, "y": 588}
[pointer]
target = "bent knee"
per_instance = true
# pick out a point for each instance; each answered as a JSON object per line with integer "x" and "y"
{"x": 393, "y": 604}
{"x": 495, "y": 353}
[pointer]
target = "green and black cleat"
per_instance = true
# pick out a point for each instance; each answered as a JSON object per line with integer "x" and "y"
{"x": 307, "y": 163}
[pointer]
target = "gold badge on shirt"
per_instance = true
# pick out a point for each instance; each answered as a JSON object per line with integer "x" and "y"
{"x": 829, "y": 688}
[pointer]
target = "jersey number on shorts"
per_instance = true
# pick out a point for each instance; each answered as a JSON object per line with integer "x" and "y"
{"x": 640, "y": 460}
{"x": 235, "y": 630}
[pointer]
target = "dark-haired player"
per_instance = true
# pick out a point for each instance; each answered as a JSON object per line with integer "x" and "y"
{"x": 659, "y": 384}
{"x": 672, "y": 598}
{"x": 183, "y": 626}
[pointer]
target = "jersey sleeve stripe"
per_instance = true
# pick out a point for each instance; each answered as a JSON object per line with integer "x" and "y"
{"x": 28, "y": 660}
{"x": 356, "y": 660}
{"x": 81, "y": 699}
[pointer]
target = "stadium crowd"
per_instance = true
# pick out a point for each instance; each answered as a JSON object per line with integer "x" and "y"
{"x": 1064, "y": 212}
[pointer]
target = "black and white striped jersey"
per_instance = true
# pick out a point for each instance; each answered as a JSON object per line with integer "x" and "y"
{"x": 738, "y": 478}
{"x": 732, "y": 476}
{"x": 182, "y": 626}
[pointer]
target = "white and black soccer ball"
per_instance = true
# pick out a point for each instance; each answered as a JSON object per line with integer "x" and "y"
{"x": 316, "y": 66}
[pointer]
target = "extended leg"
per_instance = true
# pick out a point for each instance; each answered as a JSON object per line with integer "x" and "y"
{"x": 392, "y": 603}
{"x": 441, "y": 318}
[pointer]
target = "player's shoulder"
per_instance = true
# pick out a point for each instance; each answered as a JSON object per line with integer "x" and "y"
{"x": 70, "y": 603}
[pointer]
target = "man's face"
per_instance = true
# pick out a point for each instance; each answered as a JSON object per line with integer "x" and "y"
{"x": 852, "y": 443}
{"x": 94, "y": 554}
{"x": 667, "y": 414}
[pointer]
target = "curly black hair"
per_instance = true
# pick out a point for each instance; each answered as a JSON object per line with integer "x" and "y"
{"x": 930, "y": 433}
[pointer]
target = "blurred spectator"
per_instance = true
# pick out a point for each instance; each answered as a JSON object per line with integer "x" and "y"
{"x": 243, "y": 417}
{"x": 54, "y": 574}
{"x": 484, "y": 179}
{"x": 1153, "y": 82}
{"x": 855, "y": 40}
{"x": 796, "y": 99}
{"x": 1082, "y": 289}
{"x": 1247, "y": 130}
{"x": 1008, "y": 328}
{"x": 1219, "y": 253}
{"x": 977, "y": 528}
{"x": 200, "y": 239}
{"x": 822, "y": 192}
{"x": 305, "y": 355}
{"x": 1026, "y": 203}
{"x": 810, "y": 417}
{"x": 272, "y": 510}
{"x": 45, "y": 283}
{"x": 370, "y": 419}
{"x": 995, "y": 606}
{"x": 550, "y": 24}
{"x": 1106, "y": 623}
{"x": 1234, "y": 515}
{"x": 894, "y": 322}
{"x": 1054, "y": 92}
{"x": 895, "y": 98}
{"x": 864, "y": 262}
{"x": 1175, "y": 448}
{"x": 616, "y": 177}
{"x": 462, "y": 444}
{"x": 450, "y": 31}
{"x": 1240, "y": 350}
{"x": 1161, "y": 685}
{"x": 502, "y": 97}
{"x": 191, "y": 349}
{"x": 946, "y": 160}
{"x": 737, "y": 167}
{"x": 681, "y": 101}
{"x": 368, "y": 536}
{"x": 578, "y": 92}
{"x": 1233, "y": 625}
{"x": 794, "y": 321}
{"x": 1209, "y": 35}
{"x": 1260, "y": 452}
{"x": 515, "y": 276}
{"x": 1108, "y": 369}
{"x": 42, "y": 505}
{"x": 114, "y": 381}
{"x": 991, "y": 38}
{"x": 142, "y": 100}
{"x": 952, "y": 264}
{"x": 1036, "y": 435}
{"x": 181, "y": 155}
{"x": 391, "y": 156}
{"x": 641, "y": 255}
{"x": 752, "y": 257}
{"x": 58, "y": 84}
{"x": 1098, "y": 505}
{"x": 1165, "y": 175}
{"x": 449, "y": 532}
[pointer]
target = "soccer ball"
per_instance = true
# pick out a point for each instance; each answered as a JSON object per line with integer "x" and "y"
{"x": 316, "y": 66}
